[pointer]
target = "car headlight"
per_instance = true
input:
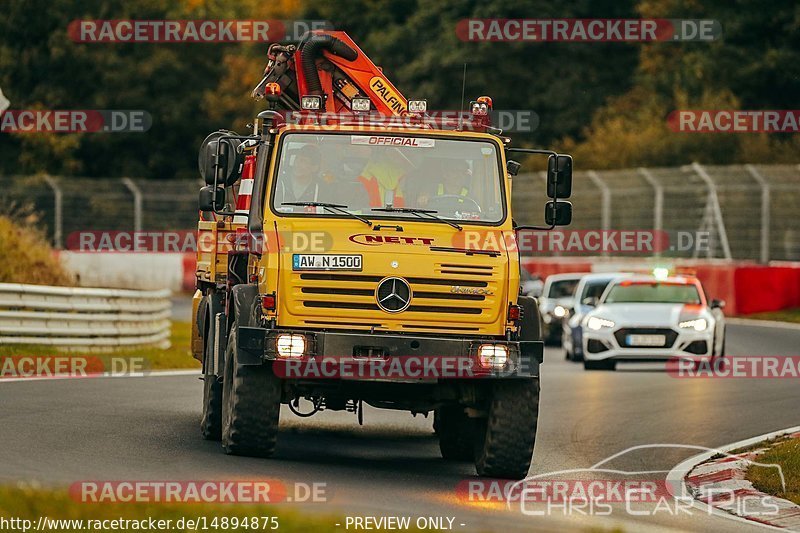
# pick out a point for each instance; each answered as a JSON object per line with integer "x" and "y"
{"x": 698, "y": 324}
{"x": 560, "y": 311}
{"x": 596, "y": 323}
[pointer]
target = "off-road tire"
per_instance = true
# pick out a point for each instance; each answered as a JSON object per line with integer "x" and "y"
{"x": 455, "y": 431}
{"x": 604, "y": 364}
{"x": 504, "y": 440}
{"x": 251, "y": 401}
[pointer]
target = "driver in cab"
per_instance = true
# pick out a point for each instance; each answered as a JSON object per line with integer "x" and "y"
{"x": 453, "y": 182}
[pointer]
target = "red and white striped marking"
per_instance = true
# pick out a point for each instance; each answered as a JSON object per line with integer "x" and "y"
{"x": 726, "y": 475}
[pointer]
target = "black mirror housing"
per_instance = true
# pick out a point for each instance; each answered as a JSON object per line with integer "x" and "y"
{"x": 512, "y": 167}
{"x": 560, "y": 215}
{"x": 559, "y": 176}
{"x": 717, "y": 304}
{"x": 220, "y": 160}
{"x": 210, "y": 199}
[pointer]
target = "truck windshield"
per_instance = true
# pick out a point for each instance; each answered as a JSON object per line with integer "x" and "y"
{"x": 455, "y": 179}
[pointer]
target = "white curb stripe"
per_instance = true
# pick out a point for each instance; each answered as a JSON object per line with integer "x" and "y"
{"x": 677, "y": 475}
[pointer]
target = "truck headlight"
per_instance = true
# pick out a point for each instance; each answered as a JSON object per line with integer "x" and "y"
{"x": 290, "y": 345}
{"x": 492, "y": 355}
{"x": 560, "y": 311}
{"x": 698, "y": 324}
{"x": 596, "y": 323}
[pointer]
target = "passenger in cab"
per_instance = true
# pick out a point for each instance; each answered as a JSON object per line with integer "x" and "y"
{"x": 384, "y": 178}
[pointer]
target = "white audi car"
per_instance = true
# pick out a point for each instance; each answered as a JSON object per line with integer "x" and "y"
{"x": 645, "y": 318}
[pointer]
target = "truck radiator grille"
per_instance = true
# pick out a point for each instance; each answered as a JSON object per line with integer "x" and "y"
{"x": 447, "y": 293}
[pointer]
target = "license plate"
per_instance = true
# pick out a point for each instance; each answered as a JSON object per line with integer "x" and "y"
{"x": 326, "y": 262}
{"x": 646, "y": 340}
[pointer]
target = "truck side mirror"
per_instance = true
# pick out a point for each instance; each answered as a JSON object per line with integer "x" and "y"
{"x": 559, "y": 176}
{"x": 220, "y": 159}
{"x": 717, "y": 304}
{"x": 512, "y": 167}
{"x": 211, "y": 198}
{"x": 558, "y": 213}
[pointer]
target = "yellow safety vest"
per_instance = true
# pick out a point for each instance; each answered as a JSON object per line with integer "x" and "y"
{"x": 440, "y": 191}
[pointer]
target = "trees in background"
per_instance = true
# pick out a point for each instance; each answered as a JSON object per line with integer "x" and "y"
{"x": 607, "y": 102}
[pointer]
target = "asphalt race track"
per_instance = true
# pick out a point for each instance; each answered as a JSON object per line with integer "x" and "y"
{"x": 62, "y": 431}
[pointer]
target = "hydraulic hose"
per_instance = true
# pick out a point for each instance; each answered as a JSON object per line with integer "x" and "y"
{"x": 312, "y": 48}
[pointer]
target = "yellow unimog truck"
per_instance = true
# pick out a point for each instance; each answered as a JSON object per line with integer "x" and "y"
{"x": 375, "y": 264}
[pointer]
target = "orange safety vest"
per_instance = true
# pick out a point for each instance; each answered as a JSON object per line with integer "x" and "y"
{"x": 373, "y": 189}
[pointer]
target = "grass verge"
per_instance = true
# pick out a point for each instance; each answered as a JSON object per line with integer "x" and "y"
{"x": 785, "y": 453}
{"x": 31, "y": 504}
{"x": 177, "y": 356}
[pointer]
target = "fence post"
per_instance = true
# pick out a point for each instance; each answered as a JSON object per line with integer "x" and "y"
{"x": 58, "y": 214}
{"x": 137, "y": 203}
{"x": 658, "y": 211}
{"x": 714, "y": 199}
{"x": 605, "y": 195}
{"x": 765, "y": 210}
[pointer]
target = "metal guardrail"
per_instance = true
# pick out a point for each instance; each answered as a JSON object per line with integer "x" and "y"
{"x": 83, "y": 317}
{"x": 749, "y": 211}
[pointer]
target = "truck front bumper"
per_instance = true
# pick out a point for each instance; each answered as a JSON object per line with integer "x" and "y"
{"x": 363, "y": 355}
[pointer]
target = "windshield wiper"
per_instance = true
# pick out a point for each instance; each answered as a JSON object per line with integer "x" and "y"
{"x": 336, "y": 208}
{"x": 430, "y": 213}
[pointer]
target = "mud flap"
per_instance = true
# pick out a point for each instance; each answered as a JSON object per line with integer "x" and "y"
{"x": 210, "y": 307}
{"x": 250, "y": 337}
{"x": 251, "y": 345}
{"x": 221, "y": 327}
{"x": 531, "y": 356}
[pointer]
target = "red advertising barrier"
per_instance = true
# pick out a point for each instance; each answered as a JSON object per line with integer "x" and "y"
{"x": 550, "y": 267}
{"x": 766, "y": 288}
{"x": 189, "y": 268}
{"x": 746, "y": 288}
